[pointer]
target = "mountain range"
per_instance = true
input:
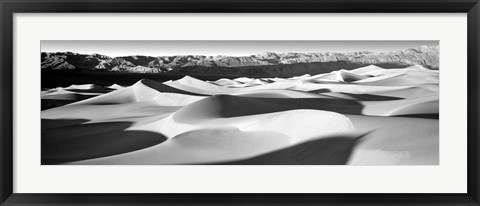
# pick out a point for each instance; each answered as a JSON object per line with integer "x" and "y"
{"x": 264, "y": 64}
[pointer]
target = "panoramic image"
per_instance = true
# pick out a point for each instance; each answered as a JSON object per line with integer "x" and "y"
{"x": 236, "y": 102}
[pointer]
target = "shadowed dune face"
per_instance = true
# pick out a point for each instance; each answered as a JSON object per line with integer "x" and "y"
{"x": 233, "y": 146}
{"x": 370, "y": 97}
{"x": 101, "y": 90}
{"x": 226, "y": 106}
{"x": 62, "y": 96}
{"x": 52, "y": 103}
{"x": 74, "y": 139}
{"x": 310, "y": 120}
{"x": 165, "y": 88}
{"x": 325, "y": 151}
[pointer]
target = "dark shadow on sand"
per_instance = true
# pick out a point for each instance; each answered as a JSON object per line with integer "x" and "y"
{"x": 226, "y": 106}
{"x": 52, "y": 103}
{"x": 335, "y": 150}
{"x": 94, "y": 90}
{"x": 66, "y": 140}
{"x": 319, "y": 91}
{"x": 165, "y": 88}
{"x": 423, "y": 116}
{"x": 371, "y": 97}
{"x": 282, "y": 104}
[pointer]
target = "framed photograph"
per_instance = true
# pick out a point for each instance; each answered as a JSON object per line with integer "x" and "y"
{"x": 268, "y": 102}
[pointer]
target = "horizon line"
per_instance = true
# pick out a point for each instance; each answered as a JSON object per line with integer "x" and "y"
{"x": 319, "y": 52}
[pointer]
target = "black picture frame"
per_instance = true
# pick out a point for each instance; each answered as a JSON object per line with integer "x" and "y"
{"x": 9, "y": 7}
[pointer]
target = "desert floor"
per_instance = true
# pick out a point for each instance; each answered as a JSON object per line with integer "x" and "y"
{"x": 366, "y": 116}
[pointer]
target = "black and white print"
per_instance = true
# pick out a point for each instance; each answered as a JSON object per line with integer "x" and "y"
{"x": 197, "y": 102}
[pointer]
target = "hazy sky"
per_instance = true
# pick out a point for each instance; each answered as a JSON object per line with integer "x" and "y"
{"x": 213, "y": 48}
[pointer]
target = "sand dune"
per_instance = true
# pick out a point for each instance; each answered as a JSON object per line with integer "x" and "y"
{"x": 62, "y": 96}
{"x": 355, "y": 117}
{"x": 115, "y": 86}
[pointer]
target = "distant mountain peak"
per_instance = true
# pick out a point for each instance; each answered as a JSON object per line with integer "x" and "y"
{"x": 267, "y": 55}
{"x": 425, "y": 56}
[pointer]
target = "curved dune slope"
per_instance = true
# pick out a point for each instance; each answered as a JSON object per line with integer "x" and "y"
{"x": 366, "y": 116}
